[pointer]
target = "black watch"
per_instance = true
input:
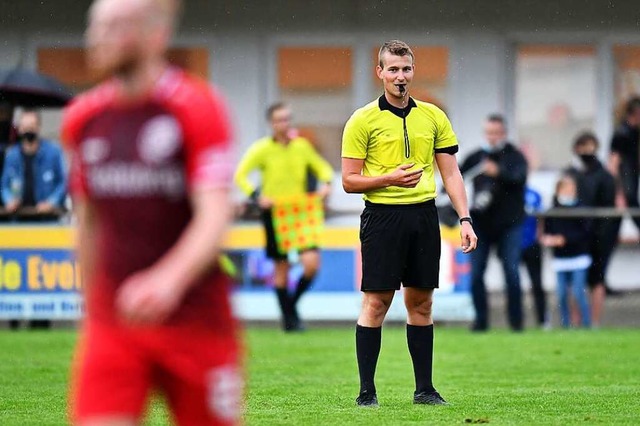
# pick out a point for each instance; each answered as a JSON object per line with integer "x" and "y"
{"x": 466, "y": 219}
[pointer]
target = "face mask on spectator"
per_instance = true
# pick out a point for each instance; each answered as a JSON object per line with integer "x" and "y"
{"x": 588, "y": 159}
{"x": 493, "y": 148}
{"x": 566, "y": 201}
{"x": 29, "y": 137}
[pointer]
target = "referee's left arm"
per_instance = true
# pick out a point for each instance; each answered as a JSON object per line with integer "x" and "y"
{"x": 454, "y": 185}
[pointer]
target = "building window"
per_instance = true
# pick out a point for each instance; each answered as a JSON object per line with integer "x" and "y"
{"x": 68, "y": 64}
{"x": 555, "y": 100}
{"x": 627, "y": 75}
{"x": 316, "y": 82}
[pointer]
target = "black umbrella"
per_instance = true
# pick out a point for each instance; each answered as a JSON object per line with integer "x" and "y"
{"x": 30, "y": 89}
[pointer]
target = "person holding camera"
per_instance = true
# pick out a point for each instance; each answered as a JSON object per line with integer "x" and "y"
{"x": 497, "y": 209}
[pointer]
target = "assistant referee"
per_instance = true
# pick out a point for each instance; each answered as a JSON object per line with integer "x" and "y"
{"x": 388, "y": 152}
{"x": 284, "y": 161}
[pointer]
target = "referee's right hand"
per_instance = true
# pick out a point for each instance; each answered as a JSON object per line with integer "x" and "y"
{"x": 403, "y": 178}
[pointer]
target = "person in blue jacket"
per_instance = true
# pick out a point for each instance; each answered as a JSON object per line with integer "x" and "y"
{"x": 532, "y": 253}
{"x": 34, "y": 174}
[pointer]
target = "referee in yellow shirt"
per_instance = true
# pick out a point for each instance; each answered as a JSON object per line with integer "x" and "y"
{"x": 284, "y": 162}
{"x": 388, "y": 152}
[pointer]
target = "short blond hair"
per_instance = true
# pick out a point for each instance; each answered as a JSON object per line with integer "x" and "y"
{"x": 396, "y": 48}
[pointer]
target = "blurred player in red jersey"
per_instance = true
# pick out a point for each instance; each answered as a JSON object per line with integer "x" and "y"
{"x": 150, "y": 176}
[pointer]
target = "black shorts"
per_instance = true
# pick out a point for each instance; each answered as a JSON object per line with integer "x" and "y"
{"x": 271, "y": 247}
{"x": 601, "y": 247}
{"x": 400, "y": 245}
{"x": 600, "y": 257}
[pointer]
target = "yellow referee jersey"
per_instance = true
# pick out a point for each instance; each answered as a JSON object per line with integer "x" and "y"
{"x": 283, "y": 167}
{"x": 386, "y": 137}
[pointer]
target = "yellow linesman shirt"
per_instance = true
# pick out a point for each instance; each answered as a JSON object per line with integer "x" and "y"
{"x": 386, "y": 137}
{"x": 283, "y": 167}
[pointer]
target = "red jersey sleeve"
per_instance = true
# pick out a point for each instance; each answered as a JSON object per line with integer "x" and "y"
{"x": 208, "y": 140}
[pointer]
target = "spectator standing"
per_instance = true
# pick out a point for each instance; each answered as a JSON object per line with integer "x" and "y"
{"x": 569, "y": 238}
{"x": 624, "y": 160}
{"x": 532, "y": 254}
{"x": 497, "y": 210}
{"x": 596, "y": 188}
{"x": 34, "y": 174}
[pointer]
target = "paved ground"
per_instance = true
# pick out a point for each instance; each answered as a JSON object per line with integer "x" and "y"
{"x": 622, "y": 310}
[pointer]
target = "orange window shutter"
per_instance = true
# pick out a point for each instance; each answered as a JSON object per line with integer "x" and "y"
{"x": 314, "y": 68}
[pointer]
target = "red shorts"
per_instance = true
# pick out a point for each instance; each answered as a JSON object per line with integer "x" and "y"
{"x": 116, "y": 367}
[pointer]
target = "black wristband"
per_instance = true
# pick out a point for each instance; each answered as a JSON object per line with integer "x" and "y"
{"x": 255, "y": 195}
{"x": 466, "y": 219}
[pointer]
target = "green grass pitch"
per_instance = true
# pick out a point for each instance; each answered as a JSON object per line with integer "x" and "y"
{"x": 557, "y": 377}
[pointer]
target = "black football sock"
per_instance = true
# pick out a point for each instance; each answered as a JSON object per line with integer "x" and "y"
{"x": 420, "y": 341}
{"x": 284, "y": 300}
{"x": 303, "y": 285}
{"x": 368, "y": 341}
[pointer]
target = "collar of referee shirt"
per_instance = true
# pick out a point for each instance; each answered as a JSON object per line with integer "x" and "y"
{"x": 384, "y": 105}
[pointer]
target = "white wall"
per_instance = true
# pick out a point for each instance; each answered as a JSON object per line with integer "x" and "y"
{"x": 238, "y": 70}
{"x": 478, "y": 85}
